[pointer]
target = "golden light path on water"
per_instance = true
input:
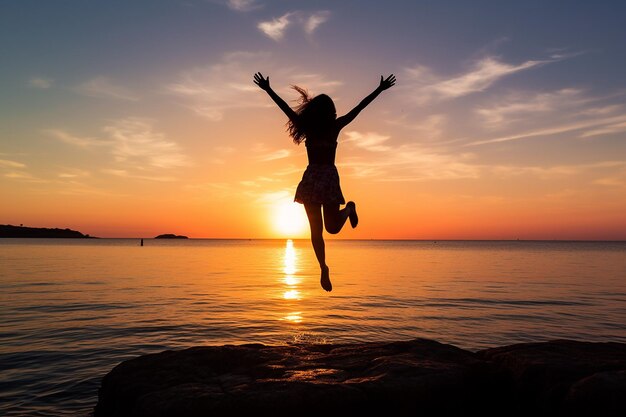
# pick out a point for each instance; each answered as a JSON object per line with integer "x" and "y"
{"x": 291, "y": 281}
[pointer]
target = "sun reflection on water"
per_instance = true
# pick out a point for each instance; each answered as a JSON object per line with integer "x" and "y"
{"x": 291, "y": 291}
{"x": 291, "y": 295}
{"x": 290, "y": 260}
{"x": 294, "y": 317}
{"x": 291, "y": 280}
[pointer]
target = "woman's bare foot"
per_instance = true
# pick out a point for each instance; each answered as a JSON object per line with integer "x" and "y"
{"x": 325, "y": 279}
{"x": 354, "y": 218}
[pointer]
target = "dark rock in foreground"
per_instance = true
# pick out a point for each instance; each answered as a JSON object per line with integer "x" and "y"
{"x": 564, "y": 377}
{"x": 7, "y": 230}
{"x": 419, "y": 377}
{"x": 171, "y": 236}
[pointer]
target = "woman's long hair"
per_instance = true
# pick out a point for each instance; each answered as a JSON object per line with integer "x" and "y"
{"x": 315, "y": 115}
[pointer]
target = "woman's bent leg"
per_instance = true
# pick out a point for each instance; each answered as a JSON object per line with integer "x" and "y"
{"x": 334, "y": 219}
{"x": 314, "y": 213}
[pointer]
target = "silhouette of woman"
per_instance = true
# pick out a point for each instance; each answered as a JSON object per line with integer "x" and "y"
{"x": 315, "y": 123}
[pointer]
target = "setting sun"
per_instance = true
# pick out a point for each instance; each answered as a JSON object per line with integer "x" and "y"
{"x": 290, "y": 219}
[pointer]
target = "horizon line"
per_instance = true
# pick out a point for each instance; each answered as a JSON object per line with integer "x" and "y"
{"x": 347, "y": 239}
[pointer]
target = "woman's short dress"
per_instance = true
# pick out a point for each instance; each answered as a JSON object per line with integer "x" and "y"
{"x": 320, "y": 185}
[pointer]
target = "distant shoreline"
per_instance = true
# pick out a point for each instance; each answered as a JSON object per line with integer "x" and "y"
{"x": 10, "y": 231}
{"x": 302, "y": 239}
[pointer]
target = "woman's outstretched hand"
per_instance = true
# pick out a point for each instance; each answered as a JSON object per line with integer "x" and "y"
{"x": 387, "y": 82}
{"x": 264, "y": 83}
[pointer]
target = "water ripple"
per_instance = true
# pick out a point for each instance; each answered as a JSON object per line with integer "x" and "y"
{"x": 72, "y": 311}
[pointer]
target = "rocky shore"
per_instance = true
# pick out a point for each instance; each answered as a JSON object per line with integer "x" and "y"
{"x": 407, "y": 378}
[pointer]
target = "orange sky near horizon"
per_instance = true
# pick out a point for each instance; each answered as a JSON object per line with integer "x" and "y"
{"x": 387, "y": 210}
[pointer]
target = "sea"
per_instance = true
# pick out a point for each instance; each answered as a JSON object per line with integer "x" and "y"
{"x": 72, "y": 309}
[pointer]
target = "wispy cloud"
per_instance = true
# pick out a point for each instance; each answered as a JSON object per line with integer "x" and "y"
{"x": 264, "y": 153}
{"x": 617, "y": 178}
{"x": 312, "y": 22}
{"x": 227, "y": 84}
{"x": 16, "y": 170}
{"x": 243, "y": 5}
{"x": 555, "y": 171}
{"x": 73, "y": 181}
{"x": 276, "y": 27}
{"x": 271, "y": 197}
{"x": 258, "y": 182}
{"x": 518, "y": 115}
{"x": 73, "y": 173}
{"x": 611, "y": 173}
{"x": 124, "y": 173}
{"x": 103, "y": 87}
{"x": 315, "y": 83}
{"x": 135, "y": 140}
{"x": 6, "y": 163}
{"x": 71, "y": 187}
{"x": 414, "y": 163}
{"x": 428, "y": 128}
{"x": 274, "y": 155}
{"x": 212, "y": 90}
{"x": 426, "y": 86}
{"x": 71, "y": 139}
{"x": 609, "y": 129}
{"x": 518, "y": 106}
{"x": 563, "y": 53}
{"x": 483, "y": 75}
{"x": 369, "y": 140}
{"x": 23, "y": 176}
{"x": 609, "y": 125}
{"x": 407, "y": 162}
{"x": 308, "y": 22}
{"x": 40, "y": 82}
{"x": 601, "y": 110}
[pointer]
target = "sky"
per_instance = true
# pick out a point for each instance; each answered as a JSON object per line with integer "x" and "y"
{"x": 136, "y": 118}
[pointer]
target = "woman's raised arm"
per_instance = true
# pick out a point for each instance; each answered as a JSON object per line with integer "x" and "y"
{"x": 264, "y": 84}
{"x": 384, "y": 84}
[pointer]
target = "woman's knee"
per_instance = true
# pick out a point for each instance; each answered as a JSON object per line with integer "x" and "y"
{"x": 332, "y": 219}
{"x": 332, "y": 228}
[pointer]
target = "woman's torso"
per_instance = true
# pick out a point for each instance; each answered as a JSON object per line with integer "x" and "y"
{"x": 321, "y": 147}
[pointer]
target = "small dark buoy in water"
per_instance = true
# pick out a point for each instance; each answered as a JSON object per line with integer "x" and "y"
{"x": 141, "y": 242}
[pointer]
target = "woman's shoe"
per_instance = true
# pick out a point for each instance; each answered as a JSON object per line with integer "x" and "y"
{"x": 354, "y": 218}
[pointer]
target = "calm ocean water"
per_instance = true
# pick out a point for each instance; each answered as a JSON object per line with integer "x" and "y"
{"x": 70, "y": 310}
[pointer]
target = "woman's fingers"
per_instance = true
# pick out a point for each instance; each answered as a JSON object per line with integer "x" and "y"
{"x": 260, "y": 80}
{"x": 389, "y": 81}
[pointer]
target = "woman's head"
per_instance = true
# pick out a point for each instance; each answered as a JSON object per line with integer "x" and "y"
{"x": 315, "y": 114}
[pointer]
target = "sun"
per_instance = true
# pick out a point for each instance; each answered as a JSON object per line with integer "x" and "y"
{"x": 290, "y": 219}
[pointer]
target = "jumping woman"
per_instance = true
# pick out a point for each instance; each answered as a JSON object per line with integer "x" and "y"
{"x": 315, "y": 123}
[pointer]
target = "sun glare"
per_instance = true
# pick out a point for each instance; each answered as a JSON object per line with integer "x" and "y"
{"x": 290, "y": 219}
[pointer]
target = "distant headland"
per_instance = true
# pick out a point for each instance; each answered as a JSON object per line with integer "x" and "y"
{"x": 7, "y": 230}
{"x": 171, "y": 236}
